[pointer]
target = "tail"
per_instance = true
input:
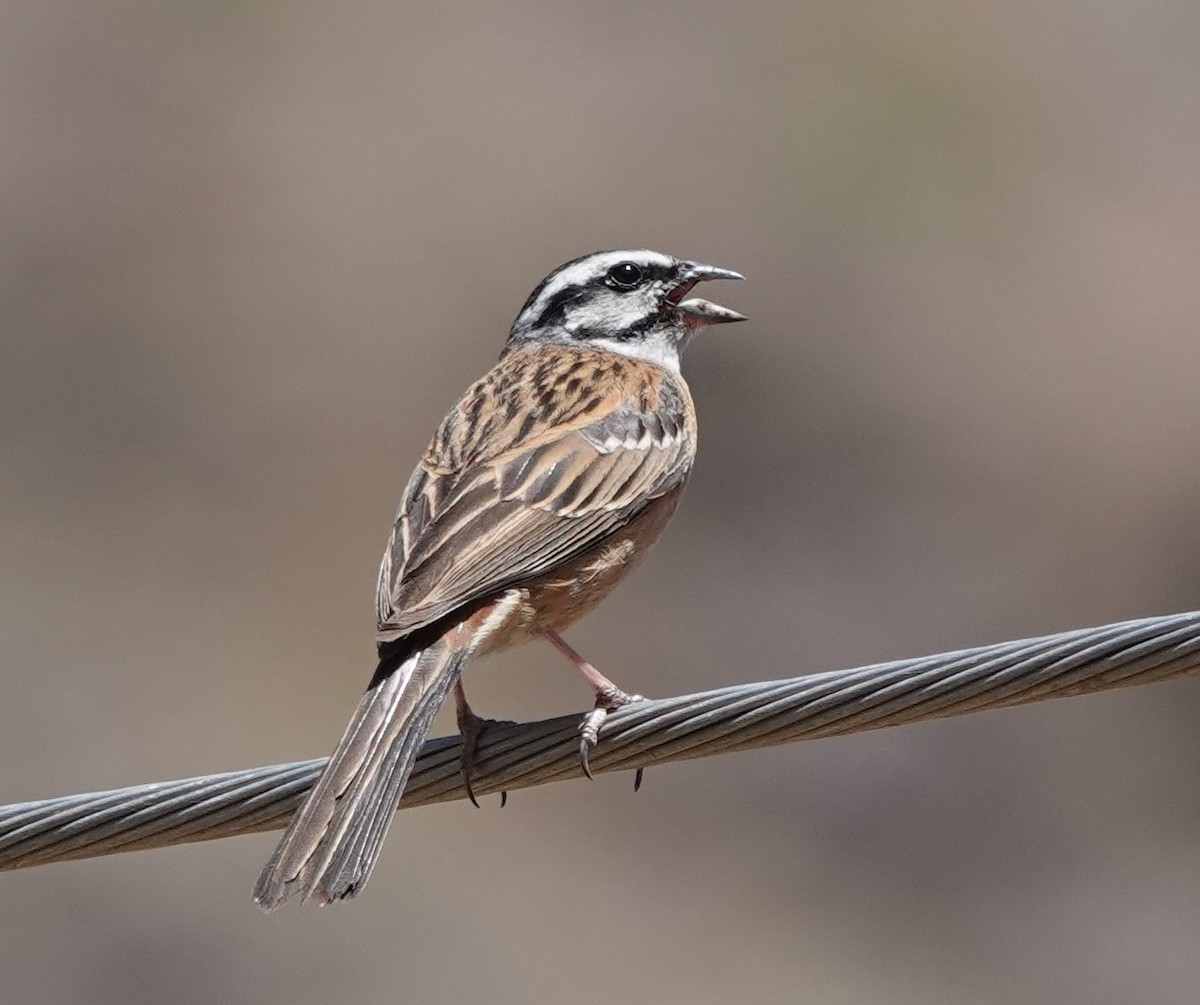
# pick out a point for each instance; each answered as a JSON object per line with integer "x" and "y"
{"x": 331, "y": 844}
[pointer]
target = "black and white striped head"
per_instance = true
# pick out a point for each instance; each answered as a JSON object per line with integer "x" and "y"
{"x": 631, "y": 302}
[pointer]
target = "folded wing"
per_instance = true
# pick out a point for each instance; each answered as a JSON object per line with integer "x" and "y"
{"x": 505, "y": 516}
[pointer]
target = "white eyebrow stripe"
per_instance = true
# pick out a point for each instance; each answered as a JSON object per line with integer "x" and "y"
{"x": 581, "y": 272}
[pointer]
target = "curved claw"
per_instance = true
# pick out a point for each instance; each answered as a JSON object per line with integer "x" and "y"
{"x": 589, "y": 731}
{"x": 584, "y": 747}
{"x": 466, "y": 777}
{"x": 637, "y": 779}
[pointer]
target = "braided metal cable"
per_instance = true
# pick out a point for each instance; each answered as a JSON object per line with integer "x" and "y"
{"x": 647, "y": 733}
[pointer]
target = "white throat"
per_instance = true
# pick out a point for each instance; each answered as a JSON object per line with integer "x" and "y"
{"x": 664, "y": 352}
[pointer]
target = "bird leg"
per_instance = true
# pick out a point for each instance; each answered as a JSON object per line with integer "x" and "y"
{"x": 608, "y": 697}
{"x": 471, "y": 727}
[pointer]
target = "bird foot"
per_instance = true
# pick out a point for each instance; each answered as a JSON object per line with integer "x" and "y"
{"x": 472, "y": 727}
{"x": 608, "y": 698}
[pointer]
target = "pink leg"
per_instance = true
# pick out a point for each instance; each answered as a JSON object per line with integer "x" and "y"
{"x": 608, "y": 697}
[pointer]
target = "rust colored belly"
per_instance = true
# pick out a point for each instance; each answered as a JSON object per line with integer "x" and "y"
{"x": 560, "y": 598}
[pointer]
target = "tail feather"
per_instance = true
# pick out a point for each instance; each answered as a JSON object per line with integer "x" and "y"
{"x": 332, "y": 842}
{"x": 351, "y": 865}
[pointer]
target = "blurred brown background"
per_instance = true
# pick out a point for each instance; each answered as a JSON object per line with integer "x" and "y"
{"x": 251, "y": 252}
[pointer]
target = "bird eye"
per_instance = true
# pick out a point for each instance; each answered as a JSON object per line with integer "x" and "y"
{"x": 624, "y": 275}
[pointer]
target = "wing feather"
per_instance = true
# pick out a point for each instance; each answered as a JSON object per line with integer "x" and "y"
{"x": 555, "y": 490}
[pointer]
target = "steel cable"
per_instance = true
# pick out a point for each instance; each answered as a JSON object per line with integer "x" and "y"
{"x": 740, "y": 717}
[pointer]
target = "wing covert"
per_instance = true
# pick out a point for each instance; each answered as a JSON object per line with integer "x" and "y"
{"x": 555, "y": 492}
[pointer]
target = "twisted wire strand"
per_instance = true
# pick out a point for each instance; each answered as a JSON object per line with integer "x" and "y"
{"x": 740, "y": 717}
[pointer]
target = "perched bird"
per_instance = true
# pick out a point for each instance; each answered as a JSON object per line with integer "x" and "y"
{"x": 542, "y": 487}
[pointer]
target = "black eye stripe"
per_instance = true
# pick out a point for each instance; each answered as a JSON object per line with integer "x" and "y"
{"x": 556, "y": 307}
{"x": 565, "y": 298}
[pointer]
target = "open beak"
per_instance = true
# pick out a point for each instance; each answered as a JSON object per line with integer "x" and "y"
{"x": 697, "y": 312}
